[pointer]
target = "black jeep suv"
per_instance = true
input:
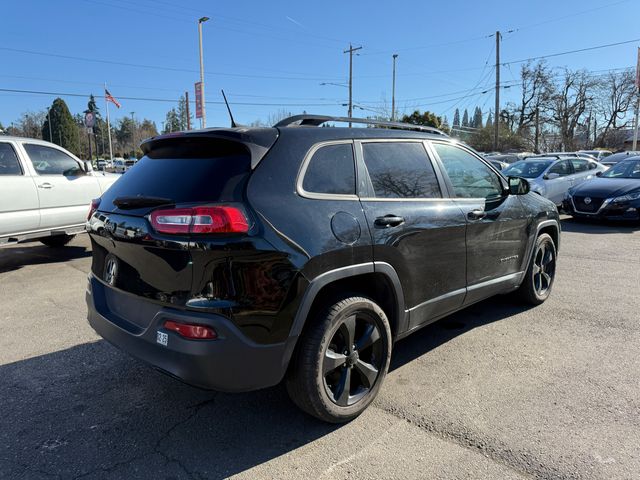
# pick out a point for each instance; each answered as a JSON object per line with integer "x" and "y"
{"x": 234, "y": 258}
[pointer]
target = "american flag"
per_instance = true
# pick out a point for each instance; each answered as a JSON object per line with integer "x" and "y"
{"x": 109, "y": 98}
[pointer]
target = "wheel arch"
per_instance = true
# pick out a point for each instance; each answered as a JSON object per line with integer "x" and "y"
{"x": 376, "y": 280}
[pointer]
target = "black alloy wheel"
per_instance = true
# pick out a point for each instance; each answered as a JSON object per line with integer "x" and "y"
{"x": 544, "y": 268}
{"x": 353, "y": 359}
{"x": 341, "y": 360}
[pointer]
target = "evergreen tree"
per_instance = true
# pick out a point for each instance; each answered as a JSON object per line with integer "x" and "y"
{"x": 427, "y": 119}
{"x": 477, "y": 118}
{"x": 489, "y": 120}
{"x": 172, "y": 122}
{"x": 63, "y": 127}
{"x": 182, "y": 114}
{"x": 465, "y": 118}
{"x": 456, "y": 119}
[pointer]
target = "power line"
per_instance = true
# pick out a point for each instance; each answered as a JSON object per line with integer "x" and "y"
{"x": 173, "y": 100}
{"x": 571, "y": 51}
{"x": 158, "y": 67}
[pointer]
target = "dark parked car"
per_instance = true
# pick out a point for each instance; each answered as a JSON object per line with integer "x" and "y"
{"x": 618, "y": 157}
{"x": 234, "y": 258}
{"x": 615, "y": 194}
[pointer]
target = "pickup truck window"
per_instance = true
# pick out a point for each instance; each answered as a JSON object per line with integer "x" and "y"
{"x": 51, "y": 161}
{"x": 9, "y": 164}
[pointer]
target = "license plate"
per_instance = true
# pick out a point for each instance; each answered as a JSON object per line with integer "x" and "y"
{"x": 162, "y": 338}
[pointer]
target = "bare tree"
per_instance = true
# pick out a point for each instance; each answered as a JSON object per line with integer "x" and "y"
{"x": 569, "y": 103}
{"x": 615, "y": 96}
{"x": 30, "y": 124}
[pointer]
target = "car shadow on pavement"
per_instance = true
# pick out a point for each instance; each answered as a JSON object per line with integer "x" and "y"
{"x": 91, "y": 411}
{"x": 18, "y": 256}
{"x": 432, "y": 336}
{"x": 578, "y": 225}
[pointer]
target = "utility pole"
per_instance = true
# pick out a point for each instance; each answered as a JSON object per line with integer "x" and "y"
{"x": 186, "y": 99}
{"x": 350, "y": 52}
{"x": 635, "y": 124}
{"x": 49, "y": 122}
{"x": 496, "y": 123}
{"x": 203, "y": 119}
{"x": 133, "y": 134}
{"x": 537, "y": 136}
{"x": 393, "y": 89}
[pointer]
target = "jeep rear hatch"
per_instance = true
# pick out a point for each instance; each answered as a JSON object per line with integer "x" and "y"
{"x": 184, "y": 187}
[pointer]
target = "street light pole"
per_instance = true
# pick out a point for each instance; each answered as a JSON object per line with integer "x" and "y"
{"x": 393, "y": 89}
{"x": 203, "y": 119}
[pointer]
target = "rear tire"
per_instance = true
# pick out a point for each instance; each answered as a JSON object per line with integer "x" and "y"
{"x": 55, "y": 241}
{"x": 341, "y": 360}
{"x": 538, "y": 281}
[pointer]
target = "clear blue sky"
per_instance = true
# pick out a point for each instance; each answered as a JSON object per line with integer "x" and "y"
{"x": 279, "y": 52}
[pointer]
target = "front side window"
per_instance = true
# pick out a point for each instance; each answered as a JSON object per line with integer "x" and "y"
{"x": 562, "y": 168}
{"x": 470, "y": 177}
{"x": 9, "y": 164}
{"x": 400, "y": 170}
{"x": 51, "y": 161}
{"x": 331, "y": 171}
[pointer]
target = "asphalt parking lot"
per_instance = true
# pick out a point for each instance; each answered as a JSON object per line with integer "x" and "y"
{"x": 496, "y": 391}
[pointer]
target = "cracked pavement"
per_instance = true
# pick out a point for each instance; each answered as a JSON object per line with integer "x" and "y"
{"x": 496, "y": 391}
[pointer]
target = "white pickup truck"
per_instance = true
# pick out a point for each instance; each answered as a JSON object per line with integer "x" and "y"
{"x": 45, "y": 191}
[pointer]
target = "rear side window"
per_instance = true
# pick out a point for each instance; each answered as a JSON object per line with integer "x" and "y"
{"x": 199, "y": 171}
{"x": 331, "y": 170}
{"x": 9, "y": 164}
{"x": 400, "y": 170}
{"x": 562, "y": 168}
{"x": 580, "y": 165}
{"x": 51, "y": 161}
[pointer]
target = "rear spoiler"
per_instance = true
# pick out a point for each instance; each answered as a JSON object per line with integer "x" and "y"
{"x": 257, "y": 141}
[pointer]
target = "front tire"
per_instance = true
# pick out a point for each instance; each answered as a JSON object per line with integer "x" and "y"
{"x": 539, "y": 278}
{"x": 341, "y": 360}
{"x": 56, "y": 241}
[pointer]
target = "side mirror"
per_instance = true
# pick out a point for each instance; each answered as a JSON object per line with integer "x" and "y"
{"x": 518, "y": 186}
{"x": 551, "y": 176}
{"x": 88, "y": 166}
{"x": 598, "y": 174}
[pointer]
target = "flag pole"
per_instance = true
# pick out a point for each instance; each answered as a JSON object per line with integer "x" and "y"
{"x": 106, "y": 103}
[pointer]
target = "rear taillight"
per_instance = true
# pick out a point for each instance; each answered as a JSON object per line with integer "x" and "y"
{"x": 190, "y": 330}
{"x": 95, "y": 203}
{"x": 220, "y": 219}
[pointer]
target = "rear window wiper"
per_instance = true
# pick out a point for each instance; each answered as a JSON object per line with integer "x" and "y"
{"x": 139, "y": 201}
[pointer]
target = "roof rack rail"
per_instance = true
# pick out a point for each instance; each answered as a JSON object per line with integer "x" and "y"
{"x": 317, "y": 120}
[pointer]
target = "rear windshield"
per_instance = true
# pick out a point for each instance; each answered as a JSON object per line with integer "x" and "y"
{"x": 203, "y": 175}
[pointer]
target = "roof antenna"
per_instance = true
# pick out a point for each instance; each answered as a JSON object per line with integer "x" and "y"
{"x": 233, "y": 123}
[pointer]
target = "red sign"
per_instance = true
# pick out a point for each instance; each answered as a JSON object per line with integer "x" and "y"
{"x": 198, "y": 99}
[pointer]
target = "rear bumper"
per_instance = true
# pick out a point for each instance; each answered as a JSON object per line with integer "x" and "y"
{"x": 230, "y": 363}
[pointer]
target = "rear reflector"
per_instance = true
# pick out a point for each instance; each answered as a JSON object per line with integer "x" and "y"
{"x": 221, "y": 219}
{"x": 189, "y": 330}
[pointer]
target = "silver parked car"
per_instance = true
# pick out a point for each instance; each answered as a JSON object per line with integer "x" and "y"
{"x": 552, "y": 177}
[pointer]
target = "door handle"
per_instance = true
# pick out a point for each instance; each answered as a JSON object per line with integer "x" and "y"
{"x": 476, "y": 214}
{"x": 45, "y": 185}
{"x": 388, "y": 221}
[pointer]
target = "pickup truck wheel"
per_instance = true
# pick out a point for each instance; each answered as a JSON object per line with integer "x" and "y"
{"x": 541, "y": 273}
{"x": 341, "y": 361}
{"x": 57, "y": 240}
